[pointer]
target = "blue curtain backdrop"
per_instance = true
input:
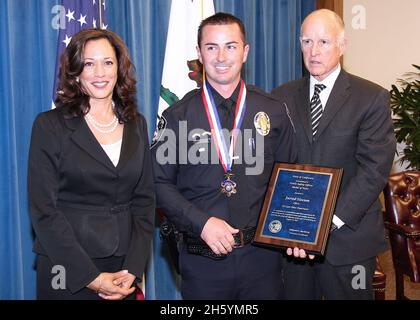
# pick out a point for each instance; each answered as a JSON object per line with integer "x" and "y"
{"x": 28, "y": 45}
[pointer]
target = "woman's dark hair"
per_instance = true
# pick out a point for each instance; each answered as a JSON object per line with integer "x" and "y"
{"x": 71, "y": 98}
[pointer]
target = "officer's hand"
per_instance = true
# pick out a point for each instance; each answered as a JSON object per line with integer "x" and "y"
{"x": 299, "y": 253}
{"x": 217, "y": 233}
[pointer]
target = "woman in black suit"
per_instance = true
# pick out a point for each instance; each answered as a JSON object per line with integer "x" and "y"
{"x": 90, "y": 184}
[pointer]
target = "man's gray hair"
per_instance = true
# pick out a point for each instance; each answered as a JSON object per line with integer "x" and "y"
{"x": 337, "y": 19}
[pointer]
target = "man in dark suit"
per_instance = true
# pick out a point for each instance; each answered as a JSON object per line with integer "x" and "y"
{"x": 341, "y": 121}
{"x": 211, "y": 194}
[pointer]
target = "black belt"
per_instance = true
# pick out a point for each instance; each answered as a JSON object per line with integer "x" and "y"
{"x": 196, "y": 245}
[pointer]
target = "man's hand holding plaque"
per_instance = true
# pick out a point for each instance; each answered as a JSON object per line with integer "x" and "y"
{"x": 299, "y": 253}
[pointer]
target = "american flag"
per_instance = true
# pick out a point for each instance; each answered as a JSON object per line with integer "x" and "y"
{"x": 78, "y": 15}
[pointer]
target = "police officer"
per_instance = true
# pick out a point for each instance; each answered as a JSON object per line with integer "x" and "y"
{"x": 213, "y": 162}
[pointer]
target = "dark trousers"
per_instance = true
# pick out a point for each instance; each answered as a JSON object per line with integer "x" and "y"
{"x": 314, "y": 280}
{"x": 45, "y": 290}
{"x": 248, "y": 273}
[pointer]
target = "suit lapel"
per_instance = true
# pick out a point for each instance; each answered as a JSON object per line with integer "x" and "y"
{"x": 336, "y": 100}
{"x": 129, "y": 143}
{"x": 302, "y": 103}
{"x": 85, "y": 139}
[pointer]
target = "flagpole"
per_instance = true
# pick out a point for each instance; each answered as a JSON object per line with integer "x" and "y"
{"x": 100, "y": 14}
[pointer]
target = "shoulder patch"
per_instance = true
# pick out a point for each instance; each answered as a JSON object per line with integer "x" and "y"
{"x": 160, "y": 128}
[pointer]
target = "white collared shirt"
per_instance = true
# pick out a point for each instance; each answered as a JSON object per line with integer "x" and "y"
{"x": 328, "y": 82}
{"x": 113, "y": 150}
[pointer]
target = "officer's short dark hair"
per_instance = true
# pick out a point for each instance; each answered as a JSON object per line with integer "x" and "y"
{"x": 221, "y": 18}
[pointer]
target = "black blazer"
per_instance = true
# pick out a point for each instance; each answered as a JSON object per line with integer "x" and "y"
{"x": 84, "y": 207}
{"x": 355, "y": 133}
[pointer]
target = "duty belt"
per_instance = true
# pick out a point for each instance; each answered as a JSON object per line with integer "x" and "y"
{"x": 196, "y": 245}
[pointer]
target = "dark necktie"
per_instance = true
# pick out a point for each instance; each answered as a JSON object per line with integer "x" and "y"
{"x": 316, "y": 108}
{"x": 237, "y": 203}
{"x": 226, "y": 114}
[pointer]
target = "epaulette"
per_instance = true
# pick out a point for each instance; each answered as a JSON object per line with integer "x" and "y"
{"x": 188, "y": 96}
{"x": 259, "y": 91}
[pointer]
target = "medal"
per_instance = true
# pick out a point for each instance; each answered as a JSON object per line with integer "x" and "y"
{"x": 228, "y": 186}
{"x": 225, "y": 155}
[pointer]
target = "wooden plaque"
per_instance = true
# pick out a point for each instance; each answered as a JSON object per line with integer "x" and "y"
{"x": 298, "y": 207}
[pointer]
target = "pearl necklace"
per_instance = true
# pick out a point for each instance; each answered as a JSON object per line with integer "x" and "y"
{"x": 100, "y": 126}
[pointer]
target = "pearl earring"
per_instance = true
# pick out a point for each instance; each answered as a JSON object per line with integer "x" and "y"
{"x": 77, "y": 79}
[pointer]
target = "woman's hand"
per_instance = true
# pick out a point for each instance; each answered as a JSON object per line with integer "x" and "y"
{"x": 125, "y": 281}
{"x": 113, "y": 286}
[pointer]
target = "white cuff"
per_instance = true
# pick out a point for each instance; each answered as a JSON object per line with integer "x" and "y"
{"x": 338, "y": 222}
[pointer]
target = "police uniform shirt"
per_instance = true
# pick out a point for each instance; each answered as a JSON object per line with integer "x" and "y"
{"x": 189, "y": 193}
